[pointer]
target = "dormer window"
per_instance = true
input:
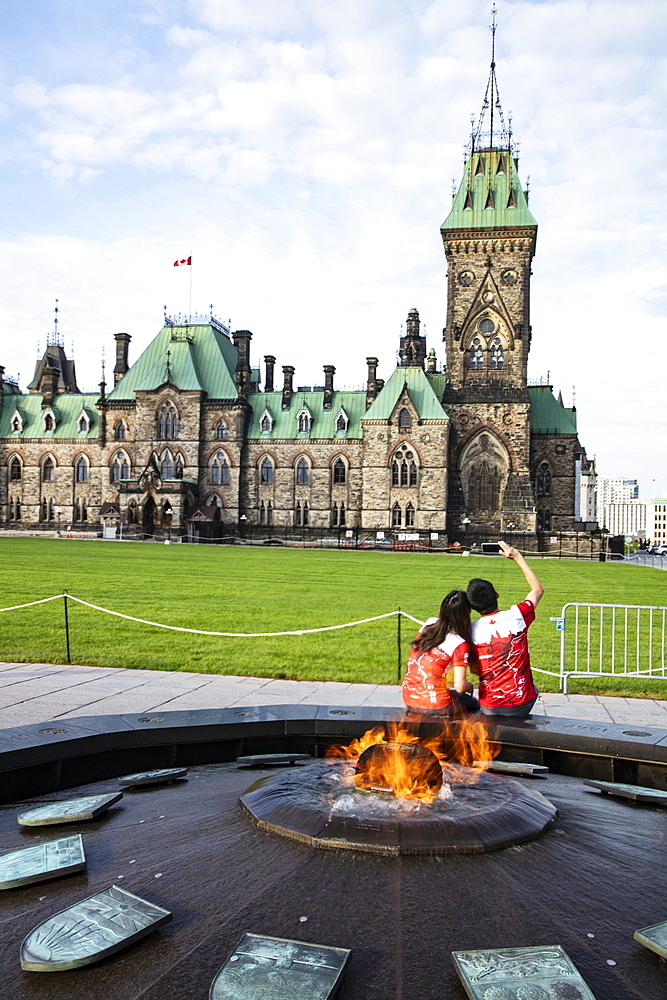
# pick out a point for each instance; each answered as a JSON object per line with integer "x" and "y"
{"x": 16, "y": 422}
{"x": 342, "y": 422}
{"x": 49, "y": 422}
{"x": 84, "y": 423}
{"x": 304, "y": 421}
{"x": 266, "y": 422}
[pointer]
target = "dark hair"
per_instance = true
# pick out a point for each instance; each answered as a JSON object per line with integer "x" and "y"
{"x": 482, "y": 596}
{"x": 454, "y": 616}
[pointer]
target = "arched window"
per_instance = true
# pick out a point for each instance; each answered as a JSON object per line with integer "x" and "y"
{"x": 266, "y": 471}
{"x": 409, "y": 516}
{"x": 497, "y": 356}
{"x": 83, "y": 425}
{"x": 269, "y": 513}
{"x": 15, "y": 470}
{"x": 476, "y": 354}
{"x": 168, "y": 423}
{"x": 179, "y": 467}
{"x": 221, "y": 431}
{"x": 404, "y": 468}
{"x": 341, "y": 515}
{"x": 48, "y": 422}
{"x": 396, "y": 516}
{"x": 44, "y": 511}
{"x": 48, "y": 471}
{"x": 167, "y": 467}
{"x": 341, "y": 423}
{"x": 120, "y": 431}
{"x": 413, "y": 474}
{"x": 404, "y": 420}
{"x": 82, "y": 470}
{"x": 404, "y": 473}
{"x": 262, "y": 513}
{"x": 302, "y": 472}
{"x": 334, "y": 515}
{"x": 297, "y": 515}
{"x": 544, "y": 520}
{"x": 544, "y": 480}
{"x": 395, "y": 474}
{"x": 266, "y": 423}
{"x": 339, "y": 471}
{"x": 305, "y": 514}
{"x": 52, "y": 510}
{"x": 84, "y": 510}
{"x": 220, "y": 469}
{"x": 120, "y": 468}
{"x": 303, "y": 420}
{"x": 76, "y": 511}
{"x": 485, "y": 487}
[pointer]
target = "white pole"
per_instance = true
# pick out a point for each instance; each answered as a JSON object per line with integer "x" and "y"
{"x": 190, "y": 313}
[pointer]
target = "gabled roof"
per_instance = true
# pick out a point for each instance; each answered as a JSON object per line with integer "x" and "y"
{"x": 324, "y": 421}
{"x": 200, "y": 358}
{"x": 489, "y": 197}
{"x": 420, "y": 389}
{"x": 547, "y": 416}
{"x": 66, "y": 408}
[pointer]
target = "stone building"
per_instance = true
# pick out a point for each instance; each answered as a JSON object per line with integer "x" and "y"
{"x": 190, "y": 435}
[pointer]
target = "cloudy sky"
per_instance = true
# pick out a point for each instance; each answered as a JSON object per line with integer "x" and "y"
{"x": 303, "y": 152}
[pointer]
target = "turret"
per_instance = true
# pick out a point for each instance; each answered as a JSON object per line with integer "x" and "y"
{"x": 413, "y": 346}
{"x": 122, "y": 347}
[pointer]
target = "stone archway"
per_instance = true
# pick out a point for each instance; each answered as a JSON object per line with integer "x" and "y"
{"x": 148, "y": 516}
{"x": 484, "y": 467}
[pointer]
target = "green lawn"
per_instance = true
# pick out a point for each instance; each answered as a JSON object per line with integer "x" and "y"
{"x": 242, "y": 589}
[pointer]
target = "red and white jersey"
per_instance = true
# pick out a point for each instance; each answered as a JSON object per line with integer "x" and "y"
{"x": 501, "y": 643}
{"x": 425, "y": 681}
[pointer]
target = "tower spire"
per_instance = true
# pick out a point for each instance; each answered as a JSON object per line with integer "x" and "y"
{"x": 491, "y": 130}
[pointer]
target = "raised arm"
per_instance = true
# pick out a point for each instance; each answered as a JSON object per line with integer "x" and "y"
{"x": 536, "y": 588}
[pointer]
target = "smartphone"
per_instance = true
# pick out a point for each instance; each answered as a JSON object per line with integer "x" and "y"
{"x": 490, "y": 548}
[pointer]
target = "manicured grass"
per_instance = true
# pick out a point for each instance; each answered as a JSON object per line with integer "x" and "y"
{"x": 242, "y": 589}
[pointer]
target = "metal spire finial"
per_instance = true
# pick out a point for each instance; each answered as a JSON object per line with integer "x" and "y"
{"x": 495, "y": 134}
{"x": 55, "y": 339}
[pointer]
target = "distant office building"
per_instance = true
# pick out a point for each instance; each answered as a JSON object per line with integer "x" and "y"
{"x": 614, "y": 490}
{"x": 645, "y": 519}
{"x": 586, "y": 490}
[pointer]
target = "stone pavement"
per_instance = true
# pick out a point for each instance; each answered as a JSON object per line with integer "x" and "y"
{"x": 41, "y": 692}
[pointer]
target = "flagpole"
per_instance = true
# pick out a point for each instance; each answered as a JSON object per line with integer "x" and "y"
{"x": 190, "y": 312}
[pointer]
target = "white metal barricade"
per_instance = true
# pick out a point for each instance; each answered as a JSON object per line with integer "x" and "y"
{"x": 612, "y": 640}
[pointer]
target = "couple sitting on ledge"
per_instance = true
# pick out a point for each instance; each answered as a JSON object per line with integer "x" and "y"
{"x": 495, "y": 647}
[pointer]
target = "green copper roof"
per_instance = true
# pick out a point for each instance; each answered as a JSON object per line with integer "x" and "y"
{"x": 421, "y": 392}
{"x": 547, "y": 416}
{"x": 490, "y": 195}
{"x": 67, "y": 407}
{"x": 200, "y": 358}
{"x": 323, "y": 425}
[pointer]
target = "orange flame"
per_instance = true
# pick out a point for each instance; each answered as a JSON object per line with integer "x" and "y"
{"x": 463, "y": 742}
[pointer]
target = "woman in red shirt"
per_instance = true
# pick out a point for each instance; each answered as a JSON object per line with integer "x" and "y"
{"x": 442, "y": 644}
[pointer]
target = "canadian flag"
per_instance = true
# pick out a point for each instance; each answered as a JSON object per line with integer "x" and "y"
{"x": 184, "y": 262}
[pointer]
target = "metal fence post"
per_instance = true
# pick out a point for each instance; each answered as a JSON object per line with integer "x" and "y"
{"x": 69, "y": 658}
{"x": 398, "y": 641}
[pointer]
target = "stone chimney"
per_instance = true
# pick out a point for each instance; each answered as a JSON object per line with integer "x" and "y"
{"x": 288, "y": 375}
{"x": 122, "y": 347}
{"x": 48, "y": 383}
{"x": 242, "y": 340}
{"x": 269, "y": 361}
{"x": 329, "y": 372}
{"x": 371, "y": 385}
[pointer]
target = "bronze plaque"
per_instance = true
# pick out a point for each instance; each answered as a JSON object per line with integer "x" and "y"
{"x": 90, "y": 930}
{"x": 69, "y": 811}
{"x": 42, "y": 862}
{"x": 540, "y": 973}
{"x": 635, "y": 793}
{"x": 654, "y": 937}
{"x": 271, "y": 968}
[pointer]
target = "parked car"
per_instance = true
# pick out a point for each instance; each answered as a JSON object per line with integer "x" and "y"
{"x": 661, "y": 550}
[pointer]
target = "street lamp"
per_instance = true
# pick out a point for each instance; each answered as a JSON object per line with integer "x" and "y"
{"x": 511, "y": 527}
{"x": 465, "y": 522}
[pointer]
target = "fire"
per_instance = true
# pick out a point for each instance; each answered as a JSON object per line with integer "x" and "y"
{"x": 411, "y": 776}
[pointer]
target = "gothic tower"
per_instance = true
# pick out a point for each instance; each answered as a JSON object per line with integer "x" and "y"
{"x": 489, "y": 239}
